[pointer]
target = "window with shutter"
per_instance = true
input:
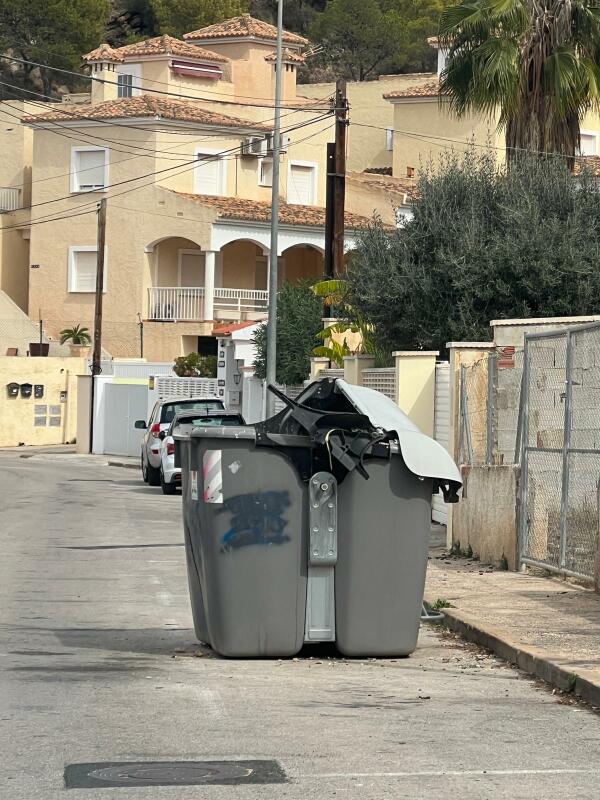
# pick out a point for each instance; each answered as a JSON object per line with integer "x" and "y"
{"x": 191, "y": 268}
{"x": 82, "y": 269}
{"x": 301, "y": 184}
{"x": 209, "y": 175}
{"x": 266, "y": 172}
{"x": 89, "y": 169}
{"x": 125, "y": 85}
{"x": 588, "y": 144}
{"x": 389, "y": 139}
{"x": 129, "y": 80}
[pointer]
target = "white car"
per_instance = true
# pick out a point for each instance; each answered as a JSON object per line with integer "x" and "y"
{"x": 162, "y": 415}
{"x": 170, "y": 475}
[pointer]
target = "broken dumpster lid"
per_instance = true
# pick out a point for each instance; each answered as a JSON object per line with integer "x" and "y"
{"x": 422, "y": 455}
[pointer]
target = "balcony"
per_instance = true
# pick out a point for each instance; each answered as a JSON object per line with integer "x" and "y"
{"x": 10, "y": 199}
{"x": 186, "y": 304}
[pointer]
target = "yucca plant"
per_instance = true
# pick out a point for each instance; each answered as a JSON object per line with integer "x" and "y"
{"x": 534, "y": 62}
{"x": 78, "y": 335}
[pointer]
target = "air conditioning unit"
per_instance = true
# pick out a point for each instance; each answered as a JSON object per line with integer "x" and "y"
{"x": 284, "y": 143}
{"x": 254, "y": 146}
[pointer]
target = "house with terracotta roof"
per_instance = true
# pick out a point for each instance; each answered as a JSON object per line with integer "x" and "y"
{"x": 177, "y": 136}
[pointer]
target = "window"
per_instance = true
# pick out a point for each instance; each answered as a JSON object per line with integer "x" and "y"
{"x": 302, "y": 183}
{"x": 588, "y": 144}
{"x": 389, "y": 139}
{"x": 89, "y": 169}
{"x": 265, "y": 177}
{"x": 209, "y": 175}
{"x": 82, "y": 269}
{"x": 129, "y": 80}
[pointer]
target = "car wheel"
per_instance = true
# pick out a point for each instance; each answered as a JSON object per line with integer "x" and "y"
{"x": 153, "y": 474}
{"x": 144, "y": 471}
{"x": 168, "y": 488}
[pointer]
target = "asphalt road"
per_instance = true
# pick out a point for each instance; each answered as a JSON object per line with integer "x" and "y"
{"x": 99, "y": 664}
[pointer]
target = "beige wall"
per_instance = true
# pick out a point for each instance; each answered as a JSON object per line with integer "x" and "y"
{"x": 415, "y": 387}
{"x": 367, "y": 146}
{"x": 14, "y": 260}
{"x": 243, "y": 266}
{"x": 485, "y": 518}
{"x": 165, "y": 341}
{"x": 425, "y": 118}
{"x": 18, "y": 414}
{"x": 16, "y": 142}
{"x": 302, "y": 262}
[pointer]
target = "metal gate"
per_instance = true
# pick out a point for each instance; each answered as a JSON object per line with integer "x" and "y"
{"x": 559, "y": 442}
{"x": 123, "y": 404}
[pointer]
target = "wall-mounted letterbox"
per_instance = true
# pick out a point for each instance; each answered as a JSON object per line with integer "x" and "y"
{"x": 12, "y": 389}
{"x": 26, "y": 389}
{"x": 38, "y": 390}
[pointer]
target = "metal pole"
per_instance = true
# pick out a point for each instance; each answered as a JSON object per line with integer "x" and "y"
{"x": 564, "y": 501}
{"x": 97, "y": 352}
{"x": 141, "y": 327}
{"x": 272, "y": 308}
{"x": 491, "y": 378}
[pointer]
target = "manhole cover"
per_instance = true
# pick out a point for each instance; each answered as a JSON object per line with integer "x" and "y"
{"x": 171, "y": 773}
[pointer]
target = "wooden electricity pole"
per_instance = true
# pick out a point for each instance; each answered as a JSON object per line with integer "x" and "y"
{"x": 97, "y": 352}
{"x": 341, "y": 124}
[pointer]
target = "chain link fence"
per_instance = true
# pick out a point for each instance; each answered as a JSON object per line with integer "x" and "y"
{"x": 559, "y": 446}
{"x": 489, "y": 392}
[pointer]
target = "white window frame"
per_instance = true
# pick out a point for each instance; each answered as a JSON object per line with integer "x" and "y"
{"x": 315, "y": 184}
{"x": 85, "y": 248}
{"x": 389, "y": 139}
{"x": 261, "y": 181}
{"x": 75, "y": 174}
{"x": 135, "y": 70}
{"x": 594, "y": 134}
{"x": 222, "y": 171}
{"x": 180, "y": 254}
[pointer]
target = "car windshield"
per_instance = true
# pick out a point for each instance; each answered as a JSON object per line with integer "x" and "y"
{"x": 170, "y": 410}
{"x": 212, "y": 421}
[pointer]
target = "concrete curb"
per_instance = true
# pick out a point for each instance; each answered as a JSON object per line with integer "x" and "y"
{"x": 123, "y": 464}
{"x": 532, "y": 660}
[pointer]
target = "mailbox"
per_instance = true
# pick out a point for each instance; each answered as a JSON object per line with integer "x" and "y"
{"x": 38, "y": 390}
{"x": 12, "y": 389}
{"x": 26, "y": 389}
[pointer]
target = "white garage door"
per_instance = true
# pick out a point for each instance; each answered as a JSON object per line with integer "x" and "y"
{"x": 441, "y": 430}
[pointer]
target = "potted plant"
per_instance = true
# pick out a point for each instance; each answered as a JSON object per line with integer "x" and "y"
{"x": 79, "y": 340}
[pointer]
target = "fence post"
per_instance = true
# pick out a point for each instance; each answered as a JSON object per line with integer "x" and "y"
{"x": 317, "y": 365}
{"x": 354, "y": 365}
{"x": 564, "y": 502}
{"x": 491, "y": 394}
{"x": 415, "y": 386}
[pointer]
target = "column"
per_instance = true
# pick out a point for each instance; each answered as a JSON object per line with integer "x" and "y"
{"x": 354, "y": 365}
{"x": 415, "y": 386}
{"x": 209, "y": 285}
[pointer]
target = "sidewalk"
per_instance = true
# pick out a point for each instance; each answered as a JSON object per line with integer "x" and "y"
{"x": 546, "y": 626}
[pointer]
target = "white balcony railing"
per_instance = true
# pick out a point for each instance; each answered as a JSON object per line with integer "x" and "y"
{"x": 10, "y": 199}
{"x": 186, "y": 304}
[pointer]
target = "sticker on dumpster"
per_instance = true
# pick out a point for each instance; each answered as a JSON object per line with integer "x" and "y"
{"x": 194, "y": 484}
{"x": 255, "y": 519}
{"x": 213, "y": 476}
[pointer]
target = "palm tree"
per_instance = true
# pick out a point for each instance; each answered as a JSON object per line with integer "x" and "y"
{"x": 533, "y": 61}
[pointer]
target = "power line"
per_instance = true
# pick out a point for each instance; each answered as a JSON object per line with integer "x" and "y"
{"x": 187, "y": 167}
{"x": 153, "y": 91}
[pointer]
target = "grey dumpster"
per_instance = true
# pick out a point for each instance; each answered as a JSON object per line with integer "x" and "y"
{"x": 312, "y": 526}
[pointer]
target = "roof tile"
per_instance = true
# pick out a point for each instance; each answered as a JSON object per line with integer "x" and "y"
{"x": 287, "y": 55}
{"x": 168, "y": 45}
{"x": 104, "y": 53}
{"x": 244, "y": 26}
{"x": 429, "y": 89}
{"x": 145, "y": 106}
{"x": 260, "y": 211}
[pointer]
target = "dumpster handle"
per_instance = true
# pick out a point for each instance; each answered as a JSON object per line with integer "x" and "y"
{"x": 328, "y": 446}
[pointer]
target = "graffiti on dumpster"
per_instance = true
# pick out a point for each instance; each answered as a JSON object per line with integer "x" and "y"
{"x": 256, "y": 518}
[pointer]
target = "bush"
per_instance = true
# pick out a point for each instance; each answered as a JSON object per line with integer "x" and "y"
{"x": 299, "y": 320}
{"x": 483, "y": 244}
{"x": 195, "y": 366}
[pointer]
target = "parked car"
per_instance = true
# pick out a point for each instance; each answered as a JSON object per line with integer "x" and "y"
{"x": 170, "y": 475}
{"x": 161, "y": 417}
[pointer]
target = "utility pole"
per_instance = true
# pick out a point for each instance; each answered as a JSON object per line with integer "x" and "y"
{"x": 272, "y": 308}
{"x": 341, "y": 123}
{"x": 97, "y": 352}
{"x": 329, "y": 212}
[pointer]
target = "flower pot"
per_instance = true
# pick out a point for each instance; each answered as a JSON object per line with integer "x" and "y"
{"x": 80, "y": 350}
{"x": 39, "y": 348}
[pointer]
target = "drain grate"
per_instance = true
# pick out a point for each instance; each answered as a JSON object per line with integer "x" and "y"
{"x": 171, "y": 773}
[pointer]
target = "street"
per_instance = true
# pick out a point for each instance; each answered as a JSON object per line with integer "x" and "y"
{"x": 99, "y": 664}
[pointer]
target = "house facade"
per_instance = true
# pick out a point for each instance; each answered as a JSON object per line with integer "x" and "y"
{"x": 177, "y": 136}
